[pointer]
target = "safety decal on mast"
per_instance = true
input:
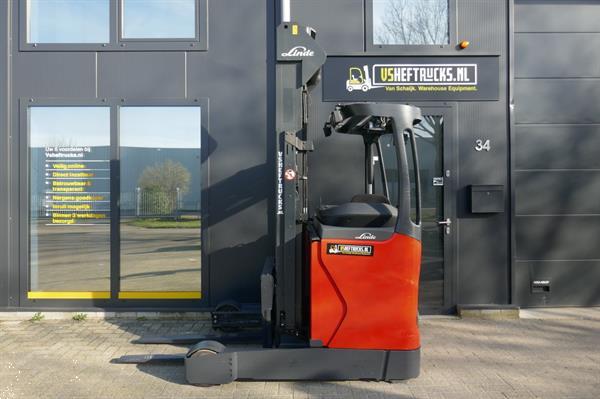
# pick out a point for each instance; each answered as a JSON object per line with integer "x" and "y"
{"x": 280, "y": 183}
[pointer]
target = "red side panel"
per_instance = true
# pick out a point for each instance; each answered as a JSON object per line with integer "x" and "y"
{"x": 366, "y": 302}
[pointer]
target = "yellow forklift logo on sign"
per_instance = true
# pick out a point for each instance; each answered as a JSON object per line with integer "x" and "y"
{"x": 359, "y": 79}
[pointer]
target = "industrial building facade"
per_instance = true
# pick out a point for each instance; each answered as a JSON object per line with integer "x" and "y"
{"x": 137, "y": 145}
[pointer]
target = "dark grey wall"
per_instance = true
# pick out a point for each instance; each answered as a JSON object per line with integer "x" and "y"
{"x": 236, "y": 75}
{"x": 4, "y": 160}
{"x": 233, "y": 75}
{"x": 483, "y": 245}
{"x": 557, "y": 168}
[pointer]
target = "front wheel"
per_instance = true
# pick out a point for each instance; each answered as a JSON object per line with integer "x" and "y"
{"x": 206, "y": 349}
{"x": 349, "y": 88}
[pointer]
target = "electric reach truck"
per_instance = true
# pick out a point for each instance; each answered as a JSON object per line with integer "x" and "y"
{"x": 339, "y": 295}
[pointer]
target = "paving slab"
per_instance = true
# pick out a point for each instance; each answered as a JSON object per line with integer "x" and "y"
{"x": 537, "y": 357}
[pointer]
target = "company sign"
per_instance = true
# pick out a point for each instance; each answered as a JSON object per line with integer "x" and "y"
{"x": 411, "y": 78}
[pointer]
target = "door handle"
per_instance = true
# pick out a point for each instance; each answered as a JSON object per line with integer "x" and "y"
{"x": 446, "y": 222}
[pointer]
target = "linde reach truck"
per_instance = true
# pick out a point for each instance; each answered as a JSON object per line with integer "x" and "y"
{"x": 339, "y": 293}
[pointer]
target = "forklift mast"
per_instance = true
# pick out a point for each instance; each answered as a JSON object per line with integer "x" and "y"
{"x": 299, "y": 61}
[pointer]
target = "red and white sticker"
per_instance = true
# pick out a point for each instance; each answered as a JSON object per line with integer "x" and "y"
{"x": 290, "y": 174}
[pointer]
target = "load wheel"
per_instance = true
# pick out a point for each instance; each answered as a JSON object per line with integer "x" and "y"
{"x": 204, "y": 349}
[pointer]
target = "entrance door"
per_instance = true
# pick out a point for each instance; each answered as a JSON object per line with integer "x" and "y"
{"x": 433, "y": 138}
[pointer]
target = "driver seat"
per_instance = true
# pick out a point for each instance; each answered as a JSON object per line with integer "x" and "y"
{"x": 364, "y": 210}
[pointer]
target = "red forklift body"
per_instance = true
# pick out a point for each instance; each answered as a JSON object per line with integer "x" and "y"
{"x": 364, "y": 293}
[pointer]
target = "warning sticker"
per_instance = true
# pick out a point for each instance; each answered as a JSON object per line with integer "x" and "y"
{"x": 349, "y": 249}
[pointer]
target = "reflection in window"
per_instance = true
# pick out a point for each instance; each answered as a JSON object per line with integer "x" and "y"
{"x": 410, "y": 22}
{"x": 68, "y": 21}
{"x": 429, "y": 135}
{"x": 159, "y": 19}
{"x": 160, "y": 198}
{"x": 69, "y": 175}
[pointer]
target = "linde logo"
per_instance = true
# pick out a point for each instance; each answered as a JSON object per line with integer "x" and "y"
{"x": 366, "y": 236}
{"x": 299, "y": 51}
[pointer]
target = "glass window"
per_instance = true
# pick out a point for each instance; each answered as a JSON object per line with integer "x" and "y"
{"x": 159, "y": 19}
{"x": 410, "y": 22}
{"x": 68, "y": 21}
{"x": 69, "y": 158}
{"x": 160, "y": 199}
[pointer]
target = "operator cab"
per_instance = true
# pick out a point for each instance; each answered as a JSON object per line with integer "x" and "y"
{"x": 367, "y": 209}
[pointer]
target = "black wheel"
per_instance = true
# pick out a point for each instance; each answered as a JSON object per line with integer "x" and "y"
{"x": 228, "y": 307}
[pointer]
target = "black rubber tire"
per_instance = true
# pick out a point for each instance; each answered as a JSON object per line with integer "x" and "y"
{"x": 204, "y": 348}
{"x": 228, "y": 306}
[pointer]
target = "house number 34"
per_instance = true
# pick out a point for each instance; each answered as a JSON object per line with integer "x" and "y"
{"x": 483, "y": 145}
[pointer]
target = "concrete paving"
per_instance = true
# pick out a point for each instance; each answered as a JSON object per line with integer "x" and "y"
{"x": 541, "y": 357}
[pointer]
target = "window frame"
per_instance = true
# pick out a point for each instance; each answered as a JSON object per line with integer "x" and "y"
{"x": 24, "y": 197}
{"x": 116, "y": 42}
{"x": 413, "y": 49}
{"x": 144, "y": 295}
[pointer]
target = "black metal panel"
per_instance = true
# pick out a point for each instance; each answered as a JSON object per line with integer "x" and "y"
{"x": 318, "y": 364}
{"x": 557, "y": 147}
{"x": 4, "y": 159}
{"x": 235, "y": 75}
{"x": 557, "y": 237}
{"x": 574, "y": 283}
{"x": 483, "y": 246}
{"x": 339, "y": 23}
{"x": 557, "y": 16}
{"x": 557, "y": 192}
{"x": 549, "y": 55}
{"x": 556, "y": 178}
{"x": 483, "y": 24}
{"x": 69, "y": 75}
{"x": 557, "y": 100}
{"x": 142, "y": 75}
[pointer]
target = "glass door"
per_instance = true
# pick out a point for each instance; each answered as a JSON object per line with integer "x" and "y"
{"x": 430, "y": 145}
{"x": 434, "y": 295}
